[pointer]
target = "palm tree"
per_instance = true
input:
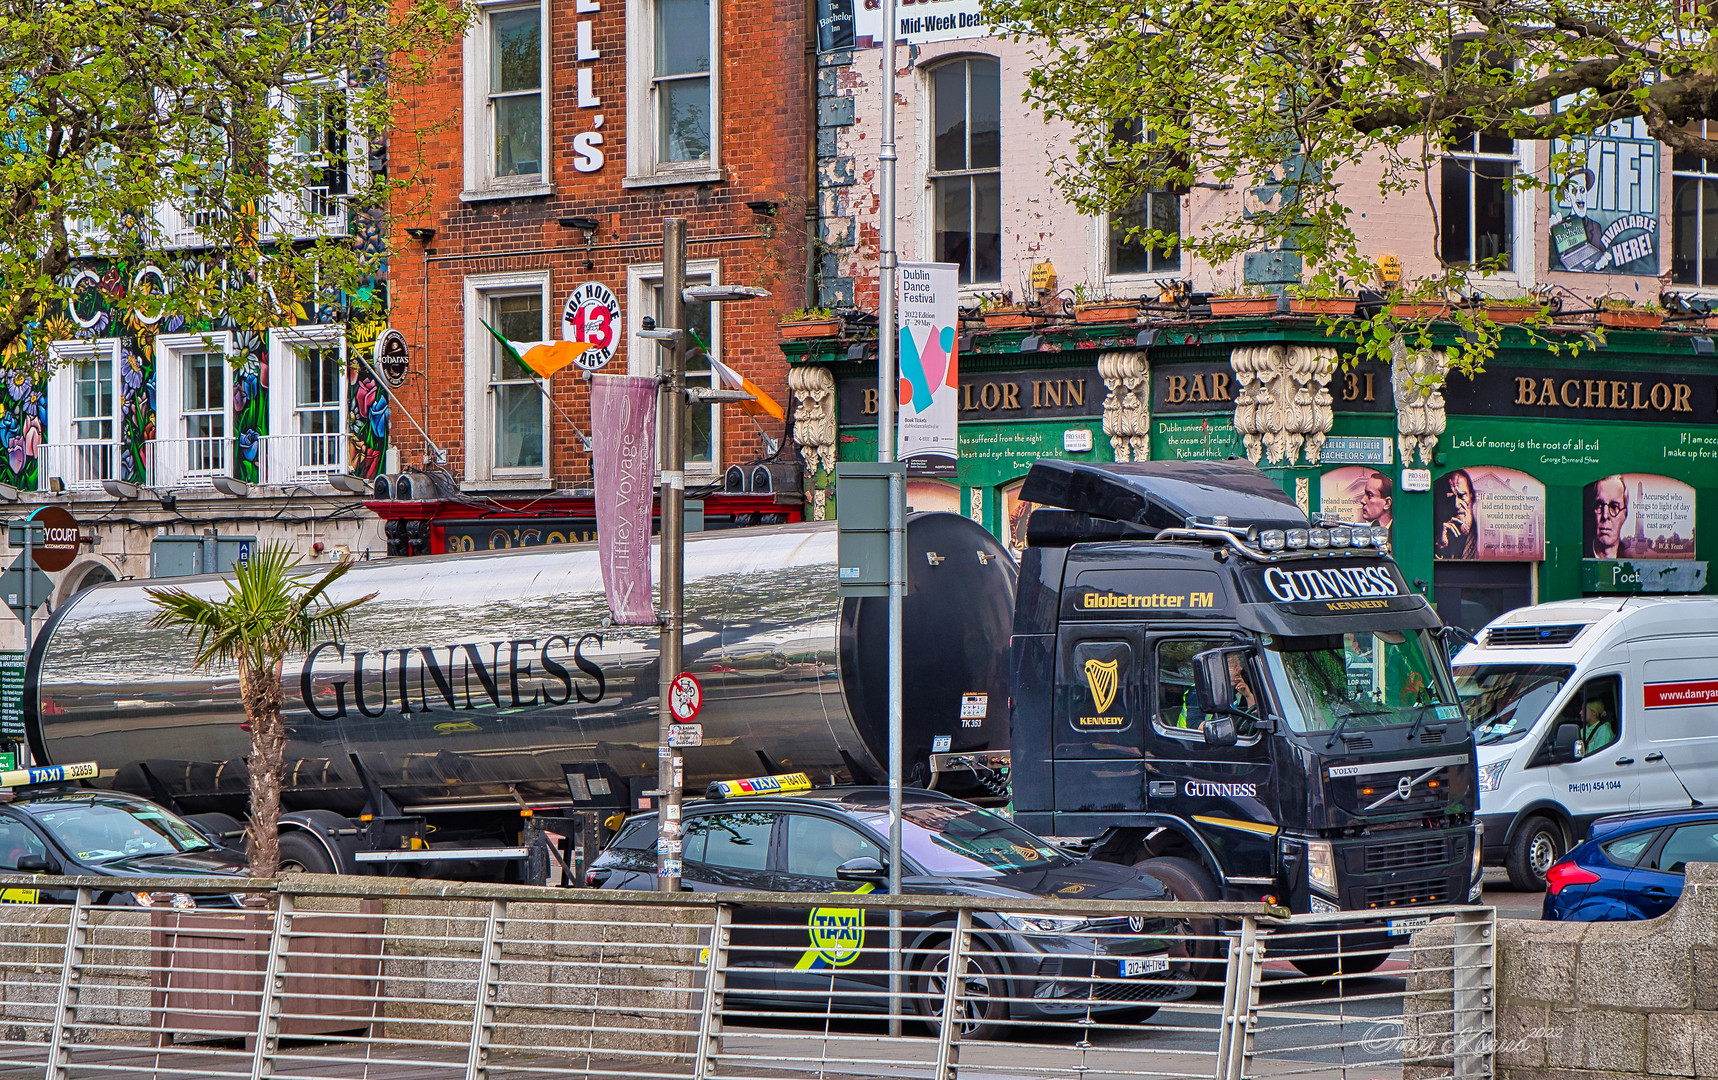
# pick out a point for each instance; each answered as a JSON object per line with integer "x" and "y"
{"x": 269, "y": 611}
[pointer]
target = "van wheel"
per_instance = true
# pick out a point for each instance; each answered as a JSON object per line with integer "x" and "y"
{"x": 300, "y": 854}
{"x": 1190, "y": 883}
{"x": 1535, "y": 848}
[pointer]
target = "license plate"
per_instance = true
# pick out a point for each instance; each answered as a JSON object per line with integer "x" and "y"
{"x": 1145, "y": 965}
{"x": 1404, "y": 927}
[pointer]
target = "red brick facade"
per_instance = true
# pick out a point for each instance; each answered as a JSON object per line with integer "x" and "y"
{"x": 764, "y": 147}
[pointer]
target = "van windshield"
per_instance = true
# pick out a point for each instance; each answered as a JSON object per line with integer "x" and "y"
{"x": 1504, "y": 701}
{"x": 1375, "y": 679}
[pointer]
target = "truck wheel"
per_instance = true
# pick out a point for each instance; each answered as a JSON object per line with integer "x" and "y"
{"x": 300, "y": 854}
{"x": 1190, "y": 883}
{"x": 1323, "y": 967}
{"x": 1534, "y": 849}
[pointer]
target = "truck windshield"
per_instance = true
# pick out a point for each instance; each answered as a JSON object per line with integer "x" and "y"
{"x": 1504, "y": 701}
{"x": 109, "y": 832}
{"x": 1375, "y": 679}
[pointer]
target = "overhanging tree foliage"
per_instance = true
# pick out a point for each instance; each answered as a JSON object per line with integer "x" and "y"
{"x": 1279, "y": 97}
{"x": 224, "y": 113}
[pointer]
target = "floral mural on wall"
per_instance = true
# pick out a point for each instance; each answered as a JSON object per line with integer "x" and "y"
{"x": 112, "y": 302}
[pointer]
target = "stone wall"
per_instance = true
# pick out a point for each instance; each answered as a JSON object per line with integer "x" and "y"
{"x": 1590, "y": 1001}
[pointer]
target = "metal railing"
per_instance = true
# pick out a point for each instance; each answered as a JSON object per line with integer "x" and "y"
{"x": 82, "y": 465}
{"x": 331, "y": 977}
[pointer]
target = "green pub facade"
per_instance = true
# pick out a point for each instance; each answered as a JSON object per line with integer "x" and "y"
{"x": 1544, "y": 477}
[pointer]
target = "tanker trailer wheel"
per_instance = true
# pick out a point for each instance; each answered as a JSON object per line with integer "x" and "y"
{"x": 1357, "y": 963}
{"x": 300, "y": 854}
{"x": 1190, "y": 883}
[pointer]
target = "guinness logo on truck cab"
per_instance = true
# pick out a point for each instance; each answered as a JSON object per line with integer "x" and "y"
{"x": 1331, "y": 583}
{"x": 1101, "y": 677}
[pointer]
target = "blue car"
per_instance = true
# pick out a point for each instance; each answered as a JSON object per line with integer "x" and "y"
{"x": 1631, "y": 866}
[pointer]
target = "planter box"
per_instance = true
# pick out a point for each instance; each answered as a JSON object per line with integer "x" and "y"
{"x": 1010, "y": 320}
{"x": 207, "y": 978}
{"x": 1414, "y": 309}
{"x": 816, "y": 328}
{"x": 1106, "y": 312}
{"x": 1513, "y": 314}
{"x": 1631, "y": 320}
{"x": 1243, "y": 305}
{"x": 1328, "y": 305}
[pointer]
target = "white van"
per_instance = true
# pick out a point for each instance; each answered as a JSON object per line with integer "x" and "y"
{"x": 1583, "y": 708}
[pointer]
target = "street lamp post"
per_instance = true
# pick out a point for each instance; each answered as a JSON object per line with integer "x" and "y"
{"x": 670, "y": 336}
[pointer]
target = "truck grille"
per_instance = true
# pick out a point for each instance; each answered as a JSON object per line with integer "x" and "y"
{"x": 1405, "y": 893}
{"x": 1405, "y": 855}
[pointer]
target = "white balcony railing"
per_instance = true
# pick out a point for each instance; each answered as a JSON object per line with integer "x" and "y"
{"x": 301, "y": 459}
{"x": 188, "y": 463}
{"x": 82, "y": 465}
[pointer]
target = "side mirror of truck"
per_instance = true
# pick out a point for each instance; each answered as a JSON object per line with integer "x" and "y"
{"x": 1220, "y": 731}
{"x": 1212, "y": 684}
{"x": 38, "y": 864}
{"x": 1565, "y": 744}
{"x": 863, "y": 868}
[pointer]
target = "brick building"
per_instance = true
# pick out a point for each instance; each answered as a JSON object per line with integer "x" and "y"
{"x": 563, "y": 135}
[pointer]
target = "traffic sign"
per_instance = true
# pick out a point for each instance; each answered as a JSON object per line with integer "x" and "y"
{"x": 12, "y": 587}
{"x": 685, "y": 697}
{"x": 54, "y": 543}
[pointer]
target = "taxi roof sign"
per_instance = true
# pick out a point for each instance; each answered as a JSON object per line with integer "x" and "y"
{"x": 50, "y": 774}
{"x": 786, "y": 784}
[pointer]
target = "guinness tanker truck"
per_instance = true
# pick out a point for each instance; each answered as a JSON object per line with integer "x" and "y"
{"x": 1193, "y": 677}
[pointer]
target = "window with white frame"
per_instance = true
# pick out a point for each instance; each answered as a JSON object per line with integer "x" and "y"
{"x": 1126, "y": 251}
{"x": 674, "y": 90}
{"x": 193, "y": 421}
{"x": 1694, "y": 217}
{"x": 320, "y": 153}
{"x": 1477, "y": 202}
{"x": 506, "y": 106}
{"x": 966, "y": 166}
{"x": 307, "y": 406}
{"x": 84, "y": 402}
{"x": 703, "y": 433}
{"x": 507, "y": 418}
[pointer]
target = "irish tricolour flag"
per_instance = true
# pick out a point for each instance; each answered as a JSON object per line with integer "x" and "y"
{"x": 543, "y": 357}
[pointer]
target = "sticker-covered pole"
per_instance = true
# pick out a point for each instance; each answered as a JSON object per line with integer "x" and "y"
{"x": 670, "y": 499}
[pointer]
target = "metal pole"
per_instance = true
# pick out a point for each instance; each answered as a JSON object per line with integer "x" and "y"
{"x": 887, "y": 339}
{"x": 672, "y": 494}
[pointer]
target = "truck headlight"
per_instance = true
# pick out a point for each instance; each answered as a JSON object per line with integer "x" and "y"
{"x": 1321, "y": 866}
{"x": 1041, "y": 924}
{"x": 1490, "y": 776}
{"x": 1321, "y": 906}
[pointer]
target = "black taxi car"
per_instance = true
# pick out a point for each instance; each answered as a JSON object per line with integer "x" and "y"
{"x": 64, "y": 830}
{"x": 836, "y": 841}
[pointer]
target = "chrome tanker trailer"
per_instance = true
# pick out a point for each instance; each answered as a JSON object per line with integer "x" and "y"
{"x": 478, "y": 691}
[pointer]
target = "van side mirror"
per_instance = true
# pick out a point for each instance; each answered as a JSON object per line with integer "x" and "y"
{"x": 863, "y": 868}
{"x": 38, "y": 864}
{"x": 1565, "y": 744}
{"x": 1220, "y": 731}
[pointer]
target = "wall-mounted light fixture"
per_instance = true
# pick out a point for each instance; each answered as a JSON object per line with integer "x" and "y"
{"x": 422, "y": 234}
{"x": 56, "y": 484}
{"x": 121, "y": 489}
{"x": 226, "y": 485}
{"x": 1031, "y": 343}
{"x": 763, "y": 207}
{"x": 1702, "y": 346}
{"x": 588, "y": 224}
{"x": 347, "y": 484}
{"x": 1147, "y": 338}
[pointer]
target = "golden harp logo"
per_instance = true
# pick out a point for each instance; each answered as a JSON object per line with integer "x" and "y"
{"x": 1101, "y": 676}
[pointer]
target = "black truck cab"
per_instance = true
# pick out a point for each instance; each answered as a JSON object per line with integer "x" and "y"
{"x": 1253, "y": 704}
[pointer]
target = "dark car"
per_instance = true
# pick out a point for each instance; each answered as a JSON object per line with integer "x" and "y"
{"x": 836, "y": 841}
{"x": 77, "y": 832}
{"x": 1631, "y": 866}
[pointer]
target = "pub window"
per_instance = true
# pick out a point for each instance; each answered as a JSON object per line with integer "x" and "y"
{"x": 1153, "y": 209}
{"x": 966, "y": 166}
{"x": 1477, "y": 205}
{"x": 1694, "y": 209}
